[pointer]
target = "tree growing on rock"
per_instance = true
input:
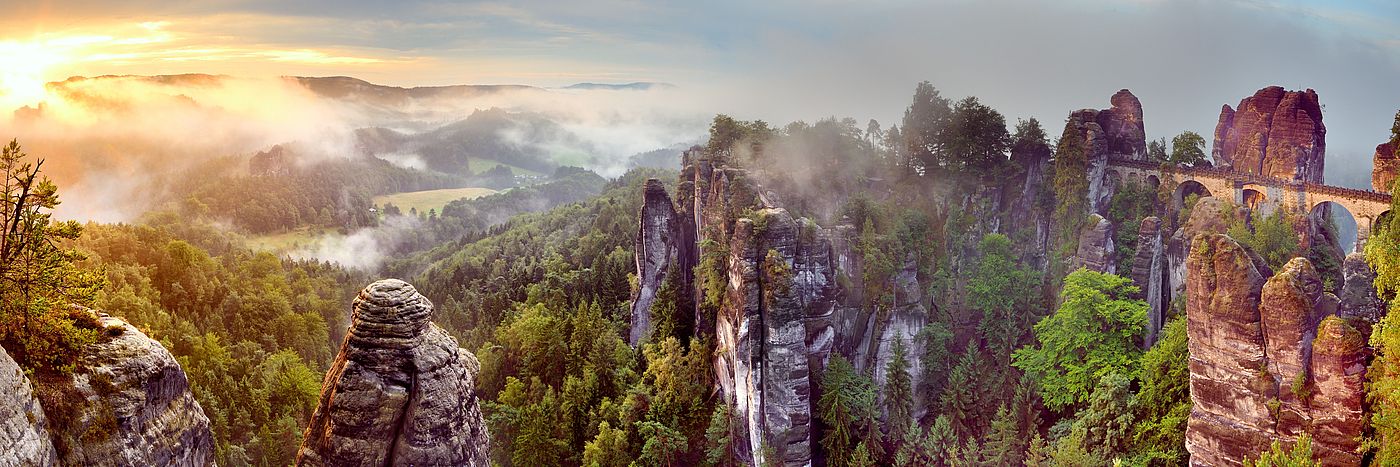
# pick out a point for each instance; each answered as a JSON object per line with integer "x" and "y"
{"x": 40, "y": 281}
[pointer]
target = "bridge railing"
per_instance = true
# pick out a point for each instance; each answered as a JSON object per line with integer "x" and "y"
{"x": 1240, "y": 176}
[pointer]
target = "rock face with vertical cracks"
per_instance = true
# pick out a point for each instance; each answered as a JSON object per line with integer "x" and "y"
{"x": 1261, "y": 367}
{"x": 1150, "y": 274}
{"x": 1113, "y": 132}
{"x": 1359, "y": 297}
{"x": 1276, "y": 133}
{"x": 1096, "y": 246}
{"x": 23, "y": 427}
{"x": 792, "y": 297}
{"x": 128, "y": 403}
{"x": 400, "y": 392}
{"x": 665, "y": 262}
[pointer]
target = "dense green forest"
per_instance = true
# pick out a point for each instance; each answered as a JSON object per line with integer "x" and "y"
{"x": 1023, "y": 364}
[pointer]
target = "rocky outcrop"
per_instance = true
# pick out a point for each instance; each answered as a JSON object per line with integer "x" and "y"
{"x": 127, "y": 403}
{"x": 1150, "y": 274}
{"x": 1113, "y": 132}
{"x": 1338, "y": 390}
{"x": 665, "y": 262}
{"x": 1275, "y": 133}
{"x": 276, "y": 161}
{"x": 1359, "y": 299}
{"x": 1095, "y": 246}
{"x": 400, "y": 392}
{"x": 792, "y": 297}
{"x": 1385, "y": 167}
{"x": 23, "y": 427}
{"x": 1259, "y": 372}
{"x": 1230, "y": 387}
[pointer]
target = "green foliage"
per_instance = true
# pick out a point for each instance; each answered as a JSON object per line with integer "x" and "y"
{"x": 1163, "y": 400}
{"x": 728, "y": 135}
{"x": 1071, "y": 187}
{"x": 1094, "y": 333}
{"x": 1272, "y": 237}
{"x": 663, "y": 445}
{"x": 898, "y": 396}
{"x": 1157, "y": 150}
{"x": 960, "y": 396}
{"x": 1129, "y": 205}
{"x": 1105, "y": 427}
{"x": 1383, "y": 376}
{"x": 40, "y": 280}
{"x": 975, "y": 139}
{"x": 1188, "y": 149}
{"x": 847, "y": 407}
{"x": 608, "y": 448}
{"x": 1299, "y": 455}
{"x": 1007, "y": 295}
{"x": 719, "y": 438}
{"x": 935, "y": 362}
{"x": 1003, "y": 444}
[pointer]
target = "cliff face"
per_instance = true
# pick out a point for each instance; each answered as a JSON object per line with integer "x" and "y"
{"x": 399, "y": 392}
{"x": 1259, "y": 371}
{"x": 23, "y": 427}
{"x": 792, "y": 297}
{"x": 128, "y": 403}
{"x": 1113, "y": 132}
{"x": 1276, "y": 133}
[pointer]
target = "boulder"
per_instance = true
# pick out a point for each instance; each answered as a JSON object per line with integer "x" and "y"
{"x": 400, "y": 392}
{"x": 1275, "y": 133}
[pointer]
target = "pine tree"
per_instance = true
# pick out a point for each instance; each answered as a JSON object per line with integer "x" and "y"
{"x": 960, "y": 396}
{"x": 1003, "y": 445}
{"x": 899, "y": 396}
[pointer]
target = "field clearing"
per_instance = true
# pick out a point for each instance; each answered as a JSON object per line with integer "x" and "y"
{"x": 292, "y": 240}
{"x": 479, "y": 166}
{"x": 430, "y": 199}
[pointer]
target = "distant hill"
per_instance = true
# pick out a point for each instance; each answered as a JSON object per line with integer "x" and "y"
{"x": 637, "y": 86}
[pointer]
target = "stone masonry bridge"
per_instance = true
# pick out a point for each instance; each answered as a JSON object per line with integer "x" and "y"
{"x": 1263, "y": 194}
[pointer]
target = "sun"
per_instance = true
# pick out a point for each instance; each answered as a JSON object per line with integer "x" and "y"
{"x": 22, "y": 74}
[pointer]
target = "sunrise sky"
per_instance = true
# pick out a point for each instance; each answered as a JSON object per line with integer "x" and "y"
{"x": 779, "y": 60}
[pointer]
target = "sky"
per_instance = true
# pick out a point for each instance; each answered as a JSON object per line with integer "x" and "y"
{"x": 776, "y": 60}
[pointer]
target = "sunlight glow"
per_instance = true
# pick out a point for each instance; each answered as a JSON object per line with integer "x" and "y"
{"x": 22, "y": 76}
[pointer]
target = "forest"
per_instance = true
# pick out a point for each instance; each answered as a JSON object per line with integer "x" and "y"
{"x": 1024, "y": 360}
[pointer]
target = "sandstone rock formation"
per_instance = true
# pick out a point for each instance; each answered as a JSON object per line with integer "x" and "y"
{"x": 400, "y": 392}
{"x": 1150, "y": 274}
{"x": 23, "y": 427}
{"x": 792, "y": 297}
{"x": 1096, "y": 246}
{"x": 1113, "y": 132}
{"x": 128, "y": 403}
{"x": 1275, "y": 133}
{"x": 1255, "y": 377}
{"x": 1385, "y": 167}
{"x": 1358, "y": 292}
{"x": 665, "y": 257}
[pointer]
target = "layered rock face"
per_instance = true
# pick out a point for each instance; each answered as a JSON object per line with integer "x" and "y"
{"x": 1385, "y": 167}
{"x": 1259, "y": 370}
{"x": 23, "y": 427}
{"x": 1113, "y": 132}
{"x": 128, "y": 403}
{"x": 1150, "y": 274}
{"x": 1359, "y": 299}
{"x": 1275, "y": 133}
{"x": 665, "y": 256}
{"x": 400, "y": 392}
{"x": 792, "y": 298}
{"x": 1096, "y": 246}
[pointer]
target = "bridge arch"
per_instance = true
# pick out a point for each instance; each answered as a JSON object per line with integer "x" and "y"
{"x": 1253, "y": 199}
{"x": 1380, "y": 222}
{"x": 1187, "y": 188}
{"x": 1336, "y": 224}
{"x": 1154, "y": 181}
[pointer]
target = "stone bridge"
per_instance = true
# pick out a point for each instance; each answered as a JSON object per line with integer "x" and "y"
{"x": 1260, "y": 193}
